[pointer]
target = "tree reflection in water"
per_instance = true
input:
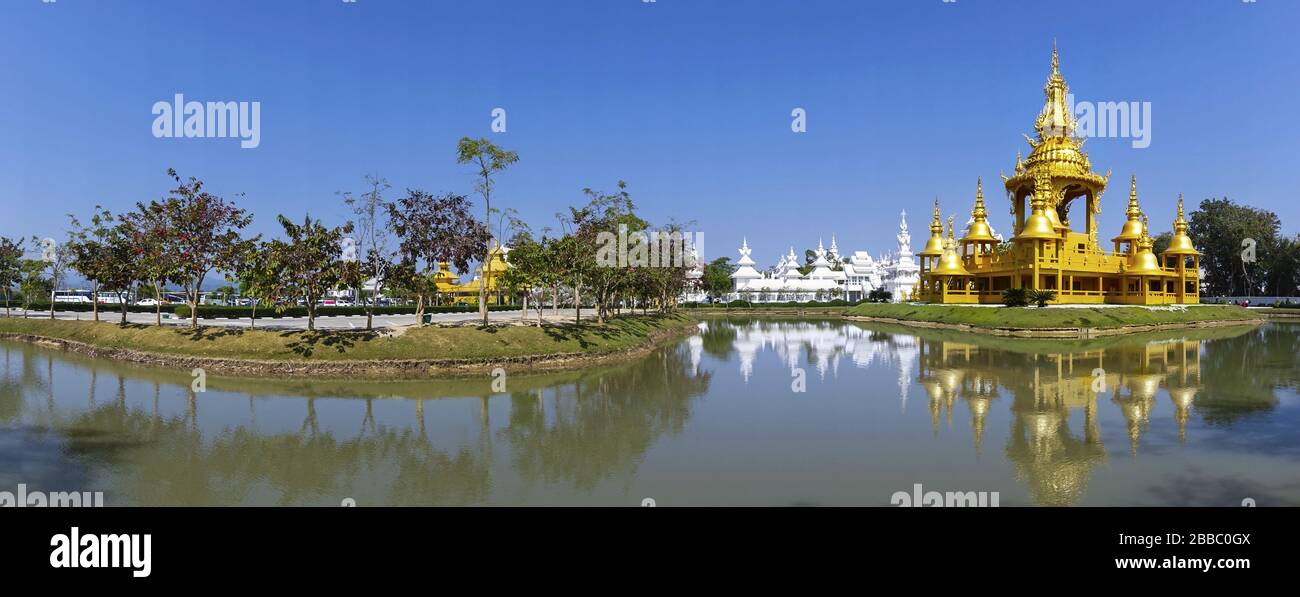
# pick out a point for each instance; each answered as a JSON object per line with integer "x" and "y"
{"x": 143, "y": 437}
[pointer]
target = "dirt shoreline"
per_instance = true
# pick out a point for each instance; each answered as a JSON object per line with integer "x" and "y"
{"x": 1071, "y": 333}
{"x": 361, "y": 368}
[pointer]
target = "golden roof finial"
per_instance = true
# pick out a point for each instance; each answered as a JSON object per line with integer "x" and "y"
{"x": 935, "y": 245}
{"x": 1180, "y": 243}
{"x": 1055, "y": 120}
{"x": 1134, "y": 210}
{"x": 1056, "y": 59}
{"x": 979, "y": 230}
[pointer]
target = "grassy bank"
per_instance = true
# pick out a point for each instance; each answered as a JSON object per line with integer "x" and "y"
{"x": 1033, "y": 318}
{"x": 427, "y": 345}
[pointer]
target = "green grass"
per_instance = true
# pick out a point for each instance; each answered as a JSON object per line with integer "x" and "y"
{"x": 1036, "y": 318}
{"x": 426, "y": 343}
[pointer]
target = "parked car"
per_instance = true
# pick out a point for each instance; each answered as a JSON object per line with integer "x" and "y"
{"x": 147, "y": 302}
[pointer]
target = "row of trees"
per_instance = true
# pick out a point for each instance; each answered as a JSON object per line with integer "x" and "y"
{"x": 191, "y": 236}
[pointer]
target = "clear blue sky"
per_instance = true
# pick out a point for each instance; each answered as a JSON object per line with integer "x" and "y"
{"x": 687, "y": 100}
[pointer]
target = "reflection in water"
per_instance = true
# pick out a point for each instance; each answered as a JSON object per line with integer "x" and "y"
{"x": 1203, "y": 416}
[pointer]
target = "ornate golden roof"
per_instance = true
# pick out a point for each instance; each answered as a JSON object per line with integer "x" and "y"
{"x": 950, "y": 263}
{"x": 934, "y": 246}
{"x": 1180, "y": 244}
{"x": 979, "y": 230}
{"x": 1144, "y": 262}
{"x": 1133, "y": 227}
{"x": 1056, "y": 151}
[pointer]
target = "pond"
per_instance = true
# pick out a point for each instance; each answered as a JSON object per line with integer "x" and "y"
{"x": 742, "y": 412}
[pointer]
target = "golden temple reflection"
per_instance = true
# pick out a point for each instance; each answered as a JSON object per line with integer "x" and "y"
{"x": 1054, "y": 461}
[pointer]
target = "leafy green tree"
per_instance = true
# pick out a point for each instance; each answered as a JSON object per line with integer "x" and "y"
{"x": 55, "y": 258}
{"x": 1219, "y": 227}
{"x": 604, "y": 216}
{"x": 717, "y": 277}
{"x": 490, "y": 160}
{"x": 311, "y": 260}
{"x": 150, "y": 238}
{"x": 91, "y": 255}
{"x": 530, "y": 271}
{"x": 204, "y": 236}
{"x": 432, "y": 229}
{"x": 11, "y": 270}
{"x": 376, "y": 259}
{"x": 34, "y": 283}
{"x": 261, "y": 278}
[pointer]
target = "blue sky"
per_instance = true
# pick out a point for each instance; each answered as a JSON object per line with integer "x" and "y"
{"x": 687, "y": 100}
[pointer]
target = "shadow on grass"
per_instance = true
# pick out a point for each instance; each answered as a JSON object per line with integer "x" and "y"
{"x": 305, "y": 343}
{"x": 204, "y": 332}
{"x": 585, "y": 333}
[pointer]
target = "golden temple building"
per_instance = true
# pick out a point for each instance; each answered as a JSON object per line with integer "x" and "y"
{"x": 1046, "y": 253}
{"x": 466, "y": 293}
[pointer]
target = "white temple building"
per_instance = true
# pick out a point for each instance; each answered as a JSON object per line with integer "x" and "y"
{"x": 832, "y": 276}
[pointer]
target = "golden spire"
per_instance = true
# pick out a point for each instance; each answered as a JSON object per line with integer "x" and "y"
{"x": 1180, "y": 244}
{"x": 1055, "y": 120}
{"x": 1132, "y": 230}
{"x": 1143, "y": 261}
{"x": 950, "y": 262}
{"x": 1037, "y": 225}
{"x": 934, "y": 246}
{"x": 979, "y": 230}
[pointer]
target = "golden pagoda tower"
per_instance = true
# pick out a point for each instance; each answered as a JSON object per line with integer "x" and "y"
{"x": 978, "y": 244}
{"x": 1177, "y": 258}
{"x": 950, "y": 272}
{"x": 933, "y": 250}
{"x": 1046, "y": 252}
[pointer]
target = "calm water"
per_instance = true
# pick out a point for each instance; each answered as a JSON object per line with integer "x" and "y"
{"x": 1188, "y": 418}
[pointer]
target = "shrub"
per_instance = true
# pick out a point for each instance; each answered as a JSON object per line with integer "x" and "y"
{"x": 1041, "y": 297}
{"x": 1015, "y": 297}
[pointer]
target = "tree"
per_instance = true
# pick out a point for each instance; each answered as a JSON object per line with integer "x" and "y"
{"x": 530, "y": 270}
{"x": 55, "y": 257}
{"x": 261, "y": 278}
{"x": 33, "y": 283}
{"x": 90, "y": 254}
{"x": 490, "y": 160}
{"x": 311, "y": 260}
{"x": 603, "y": 218}
{"x": 1219, "y": 228}
{"x": 11, "y": 262}
{"x": 205, "y": 236}
{"x": 431, "y": 230}
{"x": 150, "y": 238}
{"x": 717, "y": 277}
{"x": 376, "y": 261}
